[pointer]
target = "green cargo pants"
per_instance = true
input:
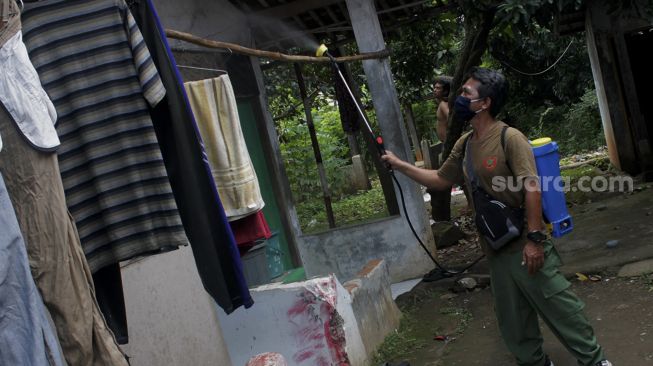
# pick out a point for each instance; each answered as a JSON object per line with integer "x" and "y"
{"x": 519, "y": 298}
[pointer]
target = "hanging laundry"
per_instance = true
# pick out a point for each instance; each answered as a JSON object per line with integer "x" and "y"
{"x": 250, "y": 228}
{"x": 214, "y": 249}
{"x": 9, "y": 20}
{"x": 96, "y": 68}
{"x": 26, "y": 337}
{"x": 214, "y": 106}
{"x": 20, "y": 89}
{"x": 24, "y": 98}
{"x": 111, "y": 300}
{"x": 55, "y": 256}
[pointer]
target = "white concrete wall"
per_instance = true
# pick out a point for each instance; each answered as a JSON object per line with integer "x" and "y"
{"x": 171, "y": 319}
{"x": 376, "y": 313}
{"x": 294, "y": 320}
{"x": 346, "y": 250}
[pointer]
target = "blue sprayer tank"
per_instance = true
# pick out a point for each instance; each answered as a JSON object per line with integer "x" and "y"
{"x": 554, "y": 205}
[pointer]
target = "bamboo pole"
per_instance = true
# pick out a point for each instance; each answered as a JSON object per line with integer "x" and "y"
{"x": 326, "y": 193}
{"x": 187, "y": 37}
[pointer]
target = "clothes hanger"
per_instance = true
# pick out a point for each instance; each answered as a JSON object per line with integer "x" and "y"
{"x": 231, "y": 53}
{"x": 201, "y": 68}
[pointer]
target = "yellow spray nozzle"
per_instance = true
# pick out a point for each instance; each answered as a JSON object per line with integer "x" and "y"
{"x": 541, "y": 141}
{"x": 321, "y": 50}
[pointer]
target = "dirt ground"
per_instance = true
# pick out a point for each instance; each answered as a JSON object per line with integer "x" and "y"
{"x": 621, "y": 311}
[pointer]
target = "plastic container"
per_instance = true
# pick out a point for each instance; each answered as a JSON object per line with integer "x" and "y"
{"x": 274, "y": 256}
{"x": 255, "y": 267}
{"x": 554, "y": 204}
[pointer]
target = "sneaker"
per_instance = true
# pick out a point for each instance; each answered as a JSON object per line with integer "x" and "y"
{"x": 604, "y": 363}
{"x": 547, "y": 361}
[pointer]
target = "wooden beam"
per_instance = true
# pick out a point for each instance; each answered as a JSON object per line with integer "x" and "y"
{"x": 332, "y": 15}
{"x": 402, "y": 6}
{"x": 170, "y": 33}
{"x": 294, "y": 8}
{"x": 423, "y": 16}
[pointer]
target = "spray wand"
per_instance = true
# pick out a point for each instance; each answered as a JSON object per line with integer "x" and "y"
{"x": 440, "y": 271}
{"x": 378, "y": 140}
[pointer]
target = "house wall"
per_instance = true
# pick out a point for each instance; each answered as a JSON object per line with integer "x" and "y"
{"x": 171, "y": 319}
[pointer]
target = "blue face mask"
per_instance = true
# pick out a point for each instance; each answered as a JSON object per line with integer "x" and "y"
{"x": 461, "y": 107}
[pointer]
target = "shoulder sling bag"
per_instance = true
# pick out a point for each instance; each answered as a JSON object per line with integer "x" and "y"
{"x": 498, "y": 223}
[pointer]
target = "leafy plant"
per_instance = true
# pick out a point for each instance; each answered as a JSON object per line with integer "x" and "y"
{"x": 462, "y": 315}
{"x": 401, "y": 342}
{"x": 363, "y": 206}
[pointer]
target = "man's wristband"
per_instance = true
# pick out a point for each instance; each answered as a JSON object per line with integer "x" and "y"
{"x": 536, "y": 236}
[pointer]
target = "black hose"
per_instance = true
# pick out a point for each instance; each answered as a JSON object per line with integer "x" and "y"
{"x": 410, "y": 224}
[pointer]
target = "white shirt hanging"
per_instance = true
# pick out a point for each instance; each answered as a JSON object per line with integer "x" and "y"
{"x": 23, "y": 96}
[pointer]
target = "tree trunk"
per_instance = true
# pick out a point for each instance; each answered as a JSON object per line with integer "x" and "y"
{"x": 477, "y": 29}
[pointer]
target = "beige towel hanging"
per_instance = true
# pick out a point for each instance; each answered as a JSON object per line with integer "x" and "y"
{"x": 214, "y": 106}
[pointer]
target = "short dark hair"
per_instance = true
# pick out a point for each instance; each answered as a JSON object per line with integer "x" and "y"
{"x": 493, "y": 85}
{"x": 445, "y": 81}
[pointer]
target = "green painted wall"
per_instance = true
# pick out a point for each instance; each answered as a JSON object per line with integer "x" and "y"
{"x": 254, "y": 146}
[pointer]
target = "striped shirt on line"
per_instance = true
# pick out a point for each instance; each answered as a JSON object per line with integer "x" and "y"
{"x": 93, "y": 62}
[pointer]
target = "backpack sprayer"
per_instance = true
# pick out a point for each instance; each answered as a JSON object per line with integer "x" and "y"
{"x": 440, "y": 271}
{"x": 554, "y": 205}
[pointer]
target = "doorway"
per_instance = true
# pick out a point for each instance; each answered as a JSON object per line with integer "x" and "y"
{"x": 639, "y": 43}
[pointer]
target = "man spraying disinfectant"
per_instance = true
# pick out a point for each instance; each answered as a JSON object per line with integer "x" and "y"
{"x": 523, "y": 260}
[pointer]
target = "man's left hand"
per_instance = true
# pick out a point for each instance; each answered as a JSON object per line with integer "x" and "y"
{"x": 533, "y": 257}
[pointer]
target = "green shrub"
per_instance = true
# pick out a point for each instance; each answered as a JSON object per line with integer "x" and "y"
{"x": 575, "y": 127}
{"x": 360, "y": 207}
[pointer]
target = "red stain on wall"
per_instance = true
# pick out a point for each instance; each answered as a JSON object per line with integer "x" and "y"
{"x": 267, "y": 359}
{"x": 319, "y": 327}
{"x": 302, "y": 356}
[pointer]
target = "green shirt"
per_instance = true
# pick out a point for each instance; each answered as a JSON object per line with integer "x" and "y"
{"x": 489, "y": 162}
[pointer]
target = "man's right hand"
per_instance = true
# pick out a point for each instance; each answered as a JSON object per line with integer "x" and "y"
{"x": 392, "y": 160}
{"x": 425, "y": 177}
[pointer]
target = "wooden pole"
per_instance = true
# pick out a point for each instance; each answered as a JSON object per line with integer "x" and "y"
{"x": 410, "y": 122}
{"x": 316, "y": 147}
{"x": 190, "y": 38}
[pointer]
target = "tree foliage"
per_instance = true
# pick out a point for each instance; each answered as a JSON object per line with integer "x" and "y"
{"x": 423, "y": 51}
{"x": 514, "y": 36}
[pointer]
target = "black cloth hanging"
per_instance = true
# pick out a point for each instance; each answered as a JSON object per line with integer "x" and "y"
{"x": 349, "y": 115}
{"x": 111, "y": 300}
{"x": 214, "y": 248}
